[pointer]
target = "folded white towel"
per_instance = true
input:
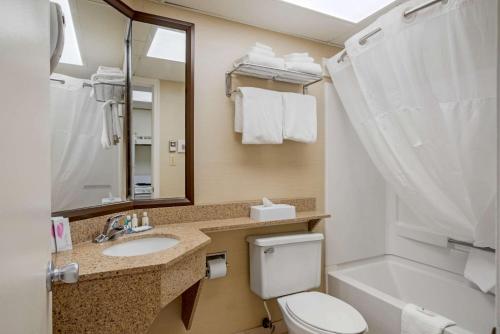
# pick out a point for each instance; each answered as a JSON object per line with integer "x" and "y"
{"x": 480, "y": 269}
{"x": 312, "y": 68}
{"x": 263, "y": 46}
{"x": 416, "y": 320}
{"x": 299, "y": 58}
{"x": 111, "y": 126}
{"x": 297, "y": 54}
{"x": 238, "y": 112}
{"x": 260, "y": 59}
{"x": 259, "y": 116}
{"x": 107, "y": 129}
{"x": 265, "y": 52}
{"x": 299, "y": 117}
{"x": 108, "y": 78}
{"x": 109, "y": 70}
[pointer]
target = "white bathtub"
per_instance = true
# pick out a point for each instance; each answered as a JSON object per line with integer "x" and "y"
{"x": 380, "y": 287}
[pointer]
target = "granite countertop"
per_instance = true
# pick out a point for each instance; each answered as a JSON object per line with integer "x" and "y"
{"x": 191, "y": 236}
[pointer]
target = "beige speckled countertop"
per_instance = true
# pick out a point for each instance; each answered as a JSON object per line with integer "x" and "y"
{"x": 192, "y": 237}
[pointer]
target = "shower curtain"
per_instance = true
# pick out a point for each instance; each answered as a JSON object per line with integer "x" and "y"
{"x": 82, "y": 172}
{"x": 421, "y": 94}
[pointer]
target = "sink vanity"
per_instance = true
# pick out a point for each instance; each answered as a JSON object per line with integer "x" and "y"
{"x": 126, "y": 282}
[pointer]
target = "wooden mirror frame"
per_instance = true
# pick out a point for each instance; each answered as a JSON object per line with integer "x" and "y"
{"x": 131, "y": 204}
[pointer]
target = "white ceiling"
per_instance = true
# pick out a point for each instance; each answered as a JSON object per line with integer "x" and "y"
{"x": 100, "y": 31}
{"x": 280, "y": 16}
{"x": 147, "y": 67}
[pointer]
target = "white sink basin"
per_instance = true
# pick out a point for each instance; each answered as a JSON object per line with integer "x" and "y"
{"x": 141, "y": 246}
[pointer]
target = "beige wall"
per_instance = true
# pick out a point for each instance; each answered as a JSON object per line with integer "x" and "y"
{"x": 226, "y": 170}
{"x": 172, "y": 128}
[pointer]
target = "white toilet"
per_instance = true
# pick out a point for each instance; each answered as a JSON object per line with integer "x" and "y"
{"x": 286, "y": 265}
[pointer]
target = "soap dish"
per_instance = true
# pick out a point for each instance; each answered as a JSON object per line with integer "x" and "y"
{"x": 274, "y": 212}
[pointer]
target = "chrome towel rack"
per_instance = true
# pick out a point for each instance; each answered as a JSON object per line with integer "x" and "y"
{"x": 271, "y": 73}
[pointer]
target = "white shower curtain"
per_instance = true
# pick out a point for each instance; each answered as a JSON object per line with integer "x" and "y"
{"x": 82, "y": 172}
{"x": 421, "y": 94}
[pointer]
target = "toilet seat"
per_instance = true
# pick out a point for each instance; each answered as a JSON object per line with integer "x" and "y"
{"x": 325, "y": 313}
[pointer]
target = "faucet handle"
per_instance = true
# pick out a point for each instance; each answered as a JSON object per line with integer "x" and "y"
{"x": 115, "y": 218}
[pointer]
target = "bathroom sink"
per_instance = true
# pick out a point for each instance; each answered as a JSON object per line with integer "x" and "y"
{"x": 141, "y": 246}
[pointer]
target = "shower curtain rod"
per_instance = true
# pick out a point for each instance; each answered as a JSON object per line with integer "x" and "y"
{"x": 61, "y": 81}
{"x": 364, "y": 39}
{"x": 423, "y": 6}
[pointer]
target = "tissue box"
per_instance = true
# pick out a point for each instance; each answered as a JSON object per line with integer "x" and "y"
{"x": 275, "y": 212}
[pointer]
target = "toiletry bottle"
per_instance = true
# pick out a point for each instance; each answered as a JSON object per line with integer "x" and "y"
{"x": 128, "y": 223}
{"x": 135, "y": 221}
{"x": 145, "y": 219}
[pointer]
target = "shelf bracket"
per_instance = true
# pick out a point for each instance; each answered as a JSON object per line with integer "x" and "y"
{"x": 229, "y": 84}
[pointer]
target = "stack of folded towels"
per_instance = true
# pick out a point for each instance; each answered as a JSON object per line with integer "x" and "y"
{"x": 112, "y": 92}
{"x": 261, "y": 54}
{"x": 267, "y": 117}
{"x": 115, "y": 80}
{"x": 302, "y": 62}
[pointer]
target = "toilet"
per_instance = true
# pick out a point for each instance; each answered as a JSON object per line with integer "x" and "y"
{"x": 286, "y": 266}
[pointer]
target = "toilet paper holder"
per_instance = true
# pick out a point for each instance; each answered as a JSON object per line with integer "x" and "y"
{"x": 213, "y": 256}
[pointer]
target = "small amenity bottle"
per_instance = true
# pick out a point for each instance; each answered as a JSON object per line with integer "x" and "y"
{"x": 145, "y": 219}
{"x": 128, "y": 223}
{"x": 135, "y": 221}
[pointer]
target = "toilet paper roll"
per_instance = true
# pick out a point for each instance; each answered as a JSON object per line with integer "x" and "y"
{"x": 216, "y": 268}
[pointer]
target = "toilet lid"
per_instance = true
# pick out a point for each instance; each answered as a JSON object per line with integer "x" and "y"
{"x": 326, "y": 313}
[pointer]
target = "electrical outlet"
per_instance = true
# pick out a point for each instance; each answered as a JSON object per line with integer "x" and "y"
{"x": 172, "y": 160}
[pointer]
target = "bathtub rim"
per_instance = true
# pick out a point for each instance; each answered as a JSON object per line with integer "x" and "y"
{"x": 341, "y": 273}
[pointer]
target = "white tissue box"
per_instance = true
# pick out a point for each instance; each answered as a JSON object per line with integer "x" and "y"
{"x": 275, "y": 212}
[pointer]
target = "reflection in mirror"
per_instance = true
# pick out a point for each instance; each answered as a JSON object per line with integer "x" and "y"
{"x": 158, "y": 111}
{"x": 87, "y": 104}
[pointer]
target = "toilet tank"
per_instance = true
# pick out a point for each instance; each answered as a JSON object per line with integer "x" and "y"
{"x": 282, "y": 264}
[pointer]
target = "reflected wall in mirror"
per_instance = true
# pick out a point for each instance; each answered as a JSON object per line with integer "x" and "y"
{"x": 87, "y": 104}
{"x": 158, "y": 111}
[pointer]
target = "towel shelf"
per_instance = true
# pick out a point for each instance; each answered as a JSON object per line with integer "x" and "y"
{"x": 104, "y": 91}
{"x": 270, "y": 73}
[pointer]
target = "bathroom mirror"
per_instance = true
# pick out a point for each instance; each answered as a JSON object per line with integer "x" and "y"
{"x": 158, "y": 111}
{"x": 121, "y": 111}
{"x": 88, "y": 106}
{"x": 161, "y": 112}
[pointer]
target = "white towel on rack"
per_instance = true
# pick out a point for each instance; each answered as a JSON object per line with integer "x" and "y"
{"x": 259, "y": 116}
{"x": 263, "y": 46}
{"x": 299, "y": 58}
{"x": 265, "y": 52}
{"x": 311, "y": 68}
{"x": 299, "y": 118}
{"x": 261, "y": 59}
{"x": 111, "y": 125}
{"x": 107, "y": 129}
{"x": 416, "y": 320}
{"x": 238, "y": 111}
{"x": 481, "y": 270}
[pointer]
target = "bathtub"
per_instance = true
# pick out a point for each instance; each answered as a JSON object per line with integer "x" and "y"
{"x": 380, "y": 287}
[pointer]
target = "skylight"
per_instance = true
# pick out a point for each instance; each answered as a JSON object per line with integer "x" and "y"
{"x": 168, "y": 44}
{"x": 71, "y": 51}
{"x": 142, "y": 96}
{"x": 349, "y": 10}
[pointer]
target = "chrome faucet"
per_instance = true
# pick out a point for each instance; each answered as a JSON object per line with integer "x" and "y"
{"x": 112, "y": 229}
